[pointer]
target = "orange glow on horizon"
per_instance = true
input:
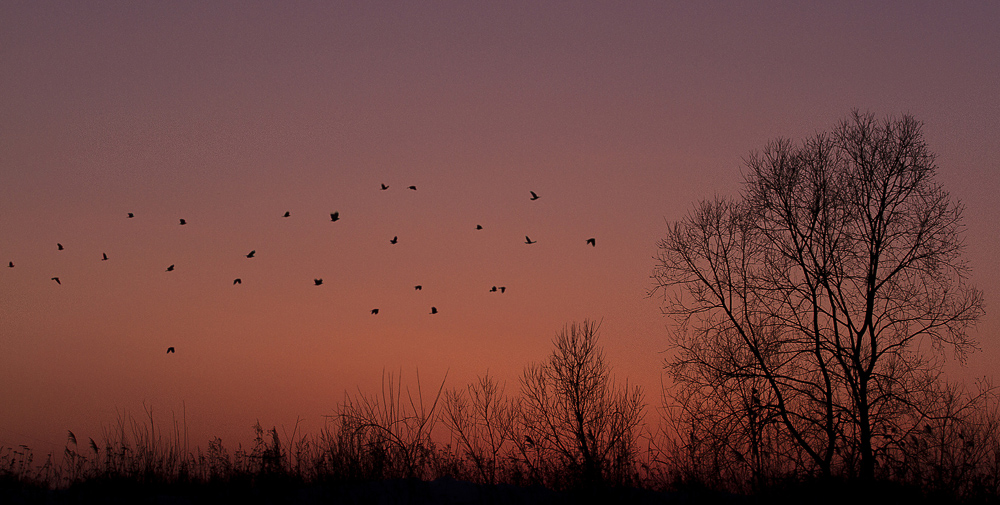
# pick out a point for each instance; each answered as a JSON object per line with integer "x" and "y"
{"x": 619, "y": 118}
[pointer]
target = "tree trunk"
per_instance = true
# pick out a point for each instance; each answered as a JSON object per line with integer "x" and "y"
{"x": 865, "y": 433}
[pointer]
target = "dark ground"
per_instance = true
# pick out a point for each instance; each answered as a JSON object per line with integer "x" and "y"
{"x": 450, "y": 491}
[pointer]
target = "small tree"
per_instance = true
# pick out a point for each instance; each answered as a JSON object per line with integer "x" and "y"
{"x": 481, "y": 420}
{"x": 832, "y": 288}
{"x": 572, "y": 412}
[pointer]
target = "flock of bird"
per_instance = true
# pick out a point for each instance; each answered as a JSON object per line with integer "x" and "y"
{"x": 334, "y": 216}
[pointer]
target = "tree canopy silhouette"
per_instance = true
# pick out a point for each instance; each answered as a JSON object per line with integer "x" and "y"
{"x": 817, "y": 309}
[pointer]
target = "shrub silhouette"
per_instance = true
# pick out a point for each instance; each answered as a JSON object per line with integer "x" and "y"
{"x": 568, "y": 428}
{"x": 574, "y": 416}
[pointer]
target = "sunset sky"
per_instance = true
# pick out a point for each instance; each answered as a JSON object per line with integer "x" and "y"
{"x": 619, "y": 115}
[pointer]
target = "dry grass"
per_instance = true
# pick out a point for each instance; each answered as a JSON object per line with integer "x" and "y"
{"x": 466, "y": 442}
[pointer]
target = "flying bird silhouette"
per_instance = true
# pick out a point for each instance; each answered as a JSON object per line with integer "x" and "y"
{"x": 237, "y": 281}
{"x": 384, "y": 187}
{"x": 287, "y": 213}
{"x": 394, "y": 240}
{"x": 105, "y": 258}
{"x": 418, "y": 287}
{"x": 374, "y": 311}
{"x": 60, "y": 246}
{"x": 434, "y": 310}
{"x": 493, "y": 289}
{"x": 318, "y": 281}
{"x": 414, "y": 188}
{"x": 528, "y": 240}
{"x": 10, "y": 264}
{"x": 251, "y": 253}
{"x": 183, "y": 222}
{"x": 131, "y": 215}
{"x": 57, "y": 280}
{"x": 592, "y": 242}
{"x": 502, "y": 289}
{"x": 335, "y": 216}
{"x": 533, "y": 195}
{"x": 479, "y": 227}
{"x": 170, "y": 268}
{"x": 171, "y": 350}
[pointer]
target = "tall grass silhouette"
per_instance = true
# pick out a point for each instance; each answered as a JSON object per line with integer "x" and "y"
{"x": 495, "y": 444}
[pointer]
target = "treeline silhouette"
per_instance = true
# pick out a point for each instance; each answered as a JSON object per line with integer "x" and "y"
{"x": 570, "y": 432}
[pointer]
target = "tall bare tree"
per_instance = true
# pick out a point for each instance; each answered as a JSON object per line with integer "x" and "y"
{"x": 833, "y": 289}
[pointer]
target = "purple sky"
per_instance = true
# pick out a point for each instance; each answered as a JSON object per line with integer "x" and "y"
{"x": 229, "y": 114}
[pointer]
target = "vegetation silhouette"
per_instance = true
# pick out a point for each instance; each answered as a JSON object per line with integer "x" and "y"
{"x": 377, "y": 437}
{"x": 575, "y": 414}
{"x": 568, "y": 434}
{"x": 813, "y": 314}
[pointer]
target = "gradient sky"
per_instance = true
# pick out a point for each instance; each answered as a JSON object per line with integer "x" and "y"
{"x": 620, "y": 115}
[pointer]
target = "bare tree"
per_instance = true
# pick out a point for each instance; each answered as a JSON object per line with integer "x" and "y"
{"x": 573, "y": 413}
{"x": 833, "y": 288}
{"x": 481, "y": 419}
{"x": 954, "y": 448}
